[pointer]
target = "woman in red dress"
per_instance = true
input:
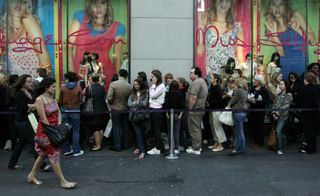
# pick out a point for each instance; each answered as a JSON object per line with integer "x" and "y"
{"x": 49, "y": 113}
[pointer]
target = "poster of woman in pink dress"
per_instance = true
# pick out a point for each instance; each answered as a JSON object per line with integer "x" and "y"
{"x": 96, "y": 30}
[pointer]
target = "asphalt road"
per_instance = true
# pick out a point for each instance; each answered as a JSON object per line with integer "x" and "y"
{"x": 106, "y": 173}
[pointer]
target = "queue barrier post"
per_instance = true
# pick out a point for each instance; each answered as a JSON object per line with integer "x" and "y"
{"x": 171, "y": 155}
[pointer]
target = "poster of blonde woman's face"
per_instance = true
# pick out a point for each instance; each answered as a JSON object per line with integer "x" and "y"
{"x": 99, "y": 8}
{"x": 20, "y": 7}
{"x": 223, "y": 5}
{"x": 277, "y": 8}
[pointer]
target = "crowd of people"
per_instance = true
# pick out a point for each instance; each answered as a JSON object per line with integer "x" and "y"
{"x": 142, "y": 110}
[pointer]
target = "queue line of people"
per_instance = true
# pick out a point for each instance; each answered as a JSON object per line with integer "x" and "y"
{"x": 231, "y": 91}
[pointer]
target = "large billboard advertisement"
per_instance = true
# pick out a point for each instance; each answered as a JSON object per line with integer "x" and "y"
{"x": 223, "y": 31}
{"x": 240, "y": 29}
{"x": 26, "y": 29}
{"x": 55, "y": 34}
{"x": 290, "y": 28}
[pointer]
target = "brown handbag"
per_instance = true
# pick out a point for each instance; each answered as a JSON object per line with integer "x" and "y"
{"x": 272, "y": 139}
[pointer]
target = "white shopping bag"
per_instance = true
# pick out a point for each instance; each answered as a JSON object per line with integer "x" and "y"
{"x": 108, "y": 129}
{"x": 33, "y": 121}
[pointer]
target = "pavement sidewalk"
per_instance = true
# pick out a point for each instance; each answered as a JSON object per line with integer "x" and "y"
{"x": 257, "y": 172}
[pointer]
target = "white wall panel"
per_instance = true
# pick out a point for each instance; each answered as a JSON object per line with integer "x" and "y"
{"x": 161, "y": 36}
{"x": 162, "y": 8}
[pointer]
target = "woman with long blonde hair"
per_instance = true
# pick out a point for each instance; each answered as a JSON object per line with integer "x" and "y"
{"x": 21, "y": 25}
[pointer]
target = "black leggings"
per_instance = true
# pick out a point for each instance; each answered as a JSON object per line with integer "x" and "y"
{"x": 26, "y": 136}
{"x": 156, "y": 121}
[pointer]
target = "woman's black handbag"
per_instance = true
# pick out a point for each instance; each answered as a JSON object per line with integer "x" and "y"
{"x": 136, "y": 114}
{"x": 57, "y": 134}
{"x": 88, "y": 105}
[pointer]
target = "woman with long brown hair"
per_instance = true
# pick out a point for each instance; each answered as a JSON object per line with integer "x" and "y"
{"x": 138, "y": 100}
{"x": 22, "y": 91}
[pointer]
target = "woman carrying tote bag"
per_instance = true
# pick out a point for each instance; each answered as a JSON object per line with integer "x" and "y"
{"x": 239, "y": 101}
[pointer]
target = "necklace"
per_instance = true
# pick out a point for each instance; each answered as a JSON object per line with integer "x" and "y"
{"x": 47, "y": 97}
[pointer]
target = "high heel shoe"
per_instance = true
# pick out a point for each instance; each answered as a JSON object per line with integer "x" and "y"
{"x": 69, "y": 185}
{"x": 34, "y": 181}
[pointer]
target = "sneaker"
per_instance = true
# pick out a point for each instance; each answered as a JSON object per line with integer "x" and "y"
{"x": 191, "y": 151}
{"x": 68, "y": 152}
{"x": 181, "y": 148}
{"x": 16, "y": 167}
{"x": 279, "y": 152}
{"x": 81, "y": 152}
{"x": 176, "y": 151}
{"x": 8, "y": 145}
{"x": 302, "y": 151}
{"x": 154, "y": 151}
{"x": 190, "y": 147}
{"x": 218, "y": 149}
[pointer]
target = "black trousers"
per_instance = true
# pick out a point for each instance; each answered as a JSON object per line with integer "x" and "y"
{"x": 256, "y": 121}
{"x": 26, "y": 136}
{"x": 310, "y": 131}
{"x": 156, "y": 124}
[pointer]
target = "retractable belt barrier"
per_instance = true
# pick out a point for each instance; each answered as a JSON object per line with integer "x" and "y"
{"x": 184, "y": 110}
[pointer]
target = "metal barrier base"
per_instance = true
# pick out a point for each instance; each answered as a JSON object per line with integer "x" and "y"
{"x": 171, "y": 156}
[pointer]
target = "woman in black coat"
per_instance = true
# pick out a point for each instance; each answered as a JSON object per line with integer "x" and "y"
{"x": 258, "y": 98}
{"x": 310, "y": 99}
{"x": 22, "y": 92}
{"x": 97, "y": 121}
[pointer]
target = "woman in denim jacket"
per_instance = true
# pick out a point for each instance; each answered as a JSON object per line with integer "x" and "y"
{"x": 282, "y": 101}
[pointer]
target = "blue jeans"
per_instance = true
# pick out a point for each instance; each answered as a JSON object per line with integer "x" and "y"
{"x": 120, "y": 125}
{"x": 239, "y": 118}
{"x": 74, "y": 119}
{"x": 279, "y": 128}
{"x": 139, "y": 128}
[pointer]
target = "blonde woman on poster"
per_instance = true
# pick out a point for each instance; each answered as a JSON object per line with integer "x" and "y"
{"x": 221, "y": 37}
{"x": 95, "y": 30}
{"x": 287, "y": 30}
{"x": 26, "y": 46}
